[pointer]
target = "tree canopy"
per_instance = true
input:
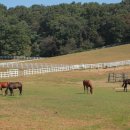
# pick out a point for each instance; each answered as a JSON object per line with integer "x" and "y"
{"x": 61, "y": 29}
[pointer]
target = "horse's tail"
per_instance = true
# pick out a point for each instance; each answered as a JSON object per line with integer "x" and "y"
{"x": 123, "y": 83}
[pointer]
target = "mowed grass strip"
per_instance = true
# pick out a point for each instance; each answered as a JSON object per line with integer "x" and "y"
{"x": 56, "y": 101}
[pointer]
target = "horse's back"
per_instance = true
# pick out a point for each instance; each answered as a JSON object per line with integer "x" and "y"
{"x": 87, "y": 83}
{"x": 126, "y": 81}
{"x": 15, "y": 84}
{"x": 3, "y": 84}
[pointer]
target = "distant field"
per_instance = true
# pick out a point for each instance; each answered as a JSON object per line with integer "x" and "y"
{"x": 55, "y": 101}
{"x": 111, "y": 54}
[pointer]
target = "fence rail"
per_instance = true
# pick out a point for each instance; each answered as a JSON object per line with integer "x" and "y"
{"x": 117, "y": 77}
{"x": 18, "y": 68}
{"x": 9, "y": 73}
{"x": 22, "y": 65}
{"x": 18, "y": 57}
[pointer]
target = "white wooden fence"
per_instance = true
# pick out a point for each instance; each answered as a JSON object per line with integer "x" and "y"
{"x": 10, "y": 73}
{"x": 46, "y": 70}
{"x": 22, "y": 65}
{"x": 40, "y": 68}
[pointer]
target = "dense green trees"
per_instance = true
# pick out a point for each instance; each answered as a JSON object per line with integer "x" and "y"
{"x": 61, "y": 29}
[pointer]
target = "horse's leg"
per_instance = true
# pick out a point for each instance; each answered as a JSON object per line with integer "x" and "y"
{"x": 126, "y": 87}
{"x": 84, "y": 88}
{"x": 20, "y": 91}
{"x": 6, "y": 91}
{"x": 1, "y": 90}
{"x": 91, "y": 90}
{"x": 87, "y": 89}
{"x": 11, "y": 91}
{"x": 123, "y": 84}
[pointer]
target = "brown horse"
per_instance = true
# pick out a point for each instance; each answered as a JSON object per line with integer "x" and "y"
{"x": 125, "y": 83}
{"x": 3, "y": 85}
{"x": 87, "y": 84}
{"x": 12, "y": 86}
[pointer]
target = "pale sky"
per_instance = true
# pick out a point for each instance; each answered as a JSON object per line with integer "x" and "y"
{"x": 28, "y": 3}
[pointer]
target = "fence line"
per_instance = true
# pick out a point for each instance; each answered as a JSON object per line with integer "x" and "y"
{"x": 18, "y": 57}
{"x": 22, "y": 65}
{"x": 117, "y": 77}
{"x": 10, "y": 73}
{"x": 18, "y": 69}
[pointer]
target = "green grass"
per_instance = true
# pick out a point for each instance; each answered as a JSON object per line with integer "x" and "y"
{"x": 56, "y": 101}
{"x": 48, "y": 104}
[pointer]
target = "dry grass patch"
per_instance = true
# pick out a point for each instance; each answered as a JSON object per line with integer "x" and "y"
{"x": 111, "y": 54}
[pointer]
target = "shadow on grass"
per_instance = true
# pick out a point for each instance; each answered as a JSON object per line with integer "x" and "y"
{"x": 80, "y": 93}
{"x": 122, "y": 91}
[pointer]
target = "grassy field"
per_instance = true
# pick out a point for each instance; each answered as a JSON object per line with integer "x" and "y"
{"x": 111, "y": 54}
{"x": 56, "y": 101}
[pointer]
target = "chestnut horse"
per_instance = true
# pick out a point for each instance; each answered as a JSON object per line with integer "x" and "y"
{"x": 125, "y": 83}
{"x": 3, "y": 85}
{"x": 87, "y": 84}
{"x": 12, "y": 86}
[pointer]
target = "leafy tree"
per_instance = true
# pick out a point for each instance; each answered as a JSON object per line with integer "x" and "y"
{"x": 126, "y": 1}
{"x": 15, "y": 39}
{"x": 3, "y": 10}
{"x": 112, "y": 29}
{"x": 61, "y": 29}
{"x": 48, "y": 47}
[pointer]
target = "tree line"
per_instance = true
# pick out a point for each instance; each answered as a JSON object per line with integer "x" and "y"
{"x": 61, "y": 29}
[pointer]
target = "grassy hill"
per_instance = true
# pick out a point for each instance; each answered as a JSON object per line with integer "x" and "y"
{"x": 111, "y": 54}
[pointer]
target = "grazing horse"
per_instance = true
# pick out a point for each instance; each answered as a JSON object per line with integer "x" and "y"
{"x": 12, "y": 86}
{"x": 87, "y": 84}
{"x": 125, "y": 83}
{"x": 3, "y": 85}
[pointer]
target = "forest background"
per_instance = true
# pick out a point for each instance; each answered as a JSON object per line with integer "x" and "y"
{"x": 48, "y": 31}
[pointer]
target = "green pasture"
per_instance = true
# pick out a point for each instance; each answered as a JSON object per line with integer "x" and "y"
{"x": 55, "y": 101}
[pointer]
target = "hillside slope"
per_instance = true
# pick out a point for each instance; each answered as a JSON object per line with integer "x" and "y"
{"x": 111, "y": 54}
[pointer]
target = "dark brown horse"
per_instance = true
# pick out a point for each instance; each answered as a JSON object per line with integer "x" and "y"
{"x": 125, "y": 83}
{"x": 3, "y": 85}
{"x": 12, "y": 86}
{"x": 88, "y": 85}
